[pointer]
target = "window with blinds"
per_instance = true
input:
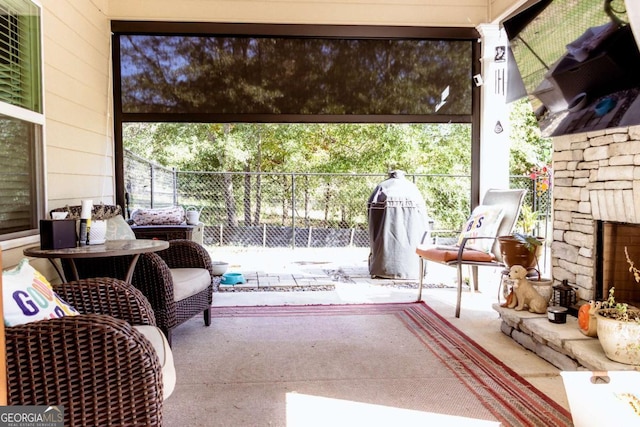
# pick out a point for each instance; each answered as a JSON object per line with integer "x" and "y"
{"x": 20, "y": 54}
{"x": 20, "y": 130}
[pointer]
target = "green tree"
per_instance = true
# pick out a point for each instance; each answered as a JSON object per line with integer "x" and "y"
{"x": 528, "y": 147}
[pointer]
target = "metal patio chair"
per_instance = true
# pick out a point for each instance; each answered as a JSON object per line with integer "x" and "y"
{"x": 459, "y": 255}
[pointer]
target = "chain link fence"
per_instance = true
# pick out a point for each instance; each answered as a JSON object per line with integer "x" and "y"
{"x": 298, "y": 209}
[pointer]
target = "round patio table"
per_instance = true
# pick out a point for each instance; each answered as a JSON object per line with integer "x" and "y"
{"x": 110, "y": 248}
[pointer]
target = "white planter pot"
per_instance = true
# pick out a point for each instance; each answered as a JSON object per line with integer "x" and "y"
{"x": 544, "y": 287}
{"x": 619, "y": 340}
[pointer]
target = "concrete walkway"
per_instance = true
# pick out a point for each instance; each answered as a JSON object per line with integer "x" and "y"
{"x": 340, "y": 276}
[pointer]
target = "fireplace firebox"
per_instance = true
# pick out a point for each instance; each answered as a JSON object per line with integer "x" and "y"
{"x": 612, "y": 266}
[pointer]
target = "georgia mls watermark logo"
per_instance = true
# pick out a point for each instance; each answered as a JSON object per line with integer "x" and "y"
{"x": 32, "y": 416}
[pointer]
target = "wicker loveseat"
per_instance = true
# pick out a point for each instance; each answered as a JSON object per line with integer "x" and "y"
{"x": 101, "y": 368}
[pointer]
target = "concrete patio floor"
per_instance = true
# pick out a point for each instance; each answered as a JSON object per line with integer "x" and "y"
{"x": 285, "y": 277}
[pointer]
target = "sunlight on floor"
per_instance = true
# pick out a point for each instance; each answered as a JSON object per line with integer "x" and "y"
{"x": 304, "y": 410}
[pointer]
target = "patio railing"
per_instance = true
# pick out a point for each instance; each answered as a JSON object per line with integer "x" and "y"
{"x": 300, "y": 209}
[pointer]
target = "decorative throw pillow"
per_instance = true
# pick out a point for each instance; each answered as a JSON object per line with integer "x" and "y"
{"x": 483, "y": 222}
{"x": 161, "y": 216}
{"x": 99, "y": 212}
{"x": 118, "y": 229}
{"x": 28, "y": 297}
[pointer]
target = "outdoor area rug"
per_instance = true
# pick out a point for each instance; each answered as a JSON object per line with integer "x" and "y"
{"x": 339, "y": 364}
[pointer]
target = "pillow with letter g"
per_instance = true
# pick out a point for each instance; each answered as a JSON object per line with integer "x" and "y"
{"x": 28, "y": 297}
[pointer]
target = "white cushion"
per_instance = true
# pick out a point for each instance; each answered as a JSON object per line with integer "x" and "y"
{"x": 163, "y": 350}
{"x": 172, "y": 215}
{"x": 483, "y": 222}
{"x": 189, "y": 281}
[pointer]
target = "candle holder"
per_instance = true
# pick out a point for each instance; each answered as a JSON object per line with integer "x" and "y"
{"x": 564, "y": 296}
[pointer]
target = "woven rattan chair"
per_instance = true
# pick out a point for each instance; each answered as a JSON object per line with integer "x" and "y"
{"x": 154, "y": 274}
{"x": 154, "y": 277}
{"x": 96, "y": 364}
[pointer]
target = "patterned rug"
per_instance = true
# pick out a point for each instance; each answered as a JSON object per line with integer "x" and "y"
{"x": 506, "y": 396}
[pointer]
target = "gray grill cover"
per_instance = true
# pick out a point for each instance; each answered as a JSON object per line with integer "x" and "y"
{"x": 397, "y": 221}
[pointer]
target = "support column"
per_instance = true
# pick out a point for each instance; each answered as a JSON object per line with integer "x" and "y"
{"x": 494, "y": 111}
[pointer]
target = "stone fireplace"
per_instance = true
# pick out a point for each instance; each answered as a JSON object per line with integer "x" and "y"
{"x": 596, "y": 209}
{"x": 596, "y": 214}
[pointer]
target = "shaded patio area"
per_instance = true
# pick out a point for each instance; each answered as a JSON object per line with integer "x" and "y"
{"x": 307, "y": 269}
{"x": 340, "y": 270}
{"x": 345, "y": 269}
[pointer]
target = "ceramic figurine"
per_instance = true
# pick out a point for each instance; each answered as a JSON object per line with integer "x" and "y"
{"x": 587, "y": 321}
{"x": 525, "y": 294}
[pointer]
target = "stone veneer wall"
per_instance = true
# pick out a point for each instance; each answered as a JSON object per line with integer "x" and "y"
{"x": 596, "y": 176}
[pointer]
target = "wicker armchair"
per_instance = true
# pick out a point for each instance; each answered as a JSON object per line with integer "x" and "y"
{"x": 99, "y": 367}
{"x": 161, "y": 276}
{"x": 157, "y": 276}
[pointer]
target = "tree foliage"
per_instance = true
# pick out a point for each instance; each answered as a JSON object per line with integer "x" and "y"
{"x": 315, "y": 148}
{"x": 322, "y": 148}
{"x": 529, "y": 148}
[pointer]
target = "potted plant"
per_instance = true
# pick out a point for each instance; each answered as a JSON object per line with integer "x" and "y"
{"x": 520, "y": 249}
{"x": 524, "y": 249}
{"x": 618, "y": 326}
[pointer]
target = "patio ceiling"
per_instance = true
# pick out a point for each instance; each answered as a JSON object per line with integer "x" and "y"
{"x": 460, "y": 13}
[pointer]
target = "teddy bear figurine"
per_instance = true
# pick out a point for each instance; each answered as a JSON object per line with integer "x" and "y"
{"x": 524, "y": 294}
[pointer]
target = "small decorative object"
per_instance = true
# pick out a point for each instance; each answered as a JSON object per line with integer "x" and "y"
{"x": 557, "y": 314}
{"x": 58, "y": 234}
{"x": 506, "y": 285}
{"x": 193, "y": 215}
{"x": 618, "y": 326}
{"x": 587, "y": 321}
{"x": 524, "y": 293}
{"x": 97, "y": 232}
{"x": 564, "y": 295}
{"x": 541, "y": 175}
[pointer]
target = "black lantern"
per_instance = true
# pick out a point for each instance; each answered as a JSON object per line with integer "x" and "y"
{"x": 564, "y": 295}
